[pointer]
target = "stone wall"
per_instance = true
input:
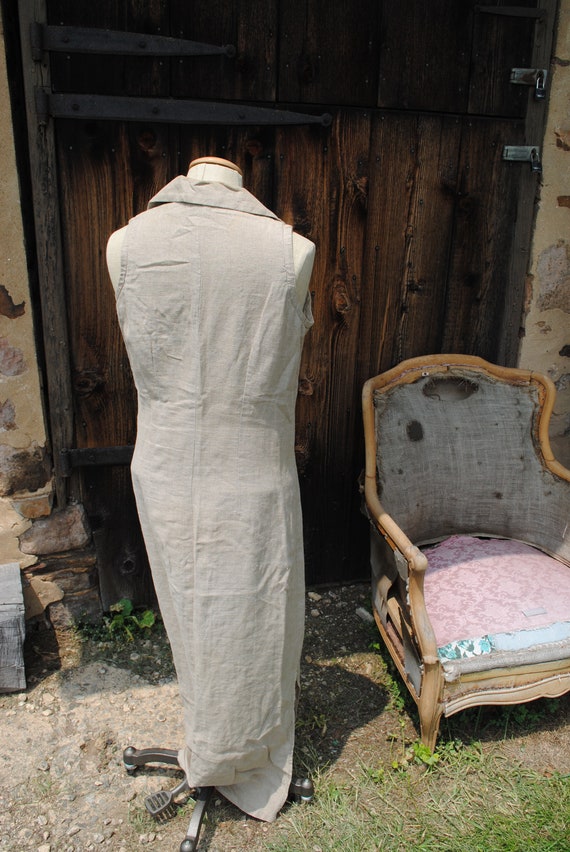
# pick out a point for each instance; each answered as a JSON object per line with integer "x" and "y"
{"x": 25, "y": 466}
{"x": 52, "y": 547}
{"x": 546, "y": 345}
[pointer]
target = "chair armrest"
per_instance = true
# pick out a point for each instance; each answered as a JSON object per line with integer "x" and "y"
{"x": 417, "y": 564}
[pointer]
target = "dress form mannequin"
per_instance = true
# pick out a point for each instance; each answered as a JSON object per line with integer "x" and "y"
{"x": 293, "y": 260}
{"x": 215, "y": 169}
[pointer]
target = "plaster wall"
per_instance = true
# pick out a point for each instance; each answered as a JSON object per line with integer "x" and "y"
{"x": 25, "y": 481}
{"x": 546, "y": 345}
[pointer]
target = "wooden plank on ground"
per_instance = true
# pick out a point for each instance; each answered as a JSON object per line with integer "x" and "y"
{"x": 12, "y": 629}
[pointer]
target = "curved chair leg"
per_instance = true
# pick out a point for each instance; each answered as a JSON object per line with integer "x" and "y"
{"x": 430, "y": 707}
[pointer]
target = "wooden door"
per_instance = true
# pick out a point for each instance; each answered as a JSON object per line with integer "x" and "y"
{"x": 422, "y": 228}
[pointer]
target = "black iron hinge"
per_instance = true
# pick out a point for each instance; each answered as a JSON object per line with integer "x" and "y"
{"x": 169, "y": 110}
{"x": 116, "y": 42}
{"x": 93, "y": 457}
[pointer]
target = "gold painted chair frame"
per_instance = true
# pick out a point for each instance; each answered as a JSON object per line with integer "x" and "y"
{"x": 513, "y": 472}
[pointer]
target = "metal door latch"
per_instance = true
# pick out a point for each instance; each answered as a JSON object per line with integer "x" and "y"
{"x": 531, "y": 77}
{"x": 524, "y": 154}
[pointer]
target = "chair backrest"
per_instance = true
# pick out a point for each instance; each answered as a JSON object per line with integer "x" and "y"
{"x": 461, "y": 446}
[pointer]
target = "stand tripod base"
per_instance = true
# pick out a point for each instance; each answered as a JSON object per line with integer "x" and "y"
{"x": 162, "y": 805}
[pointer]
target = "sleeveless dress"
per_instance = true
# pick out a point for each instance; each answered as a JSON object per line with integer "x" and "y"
{"x": 210, "y": 318}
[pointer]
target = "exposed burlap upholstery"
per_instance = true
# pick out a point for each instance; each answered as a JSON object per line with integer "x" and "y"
{"x": 457, "y": 446}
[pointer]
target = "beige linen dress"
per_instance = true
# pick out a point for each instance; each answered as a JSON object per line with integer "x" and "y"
{"x": 209, "y": 313}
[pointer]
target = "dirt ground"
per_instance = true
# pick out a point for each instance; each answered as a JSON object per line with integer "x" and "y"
{"x": 63, "y": 786}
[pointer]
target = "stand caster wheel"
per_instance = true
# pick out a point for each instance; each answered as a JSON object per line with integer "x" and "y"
{"x": 128, "y": 754}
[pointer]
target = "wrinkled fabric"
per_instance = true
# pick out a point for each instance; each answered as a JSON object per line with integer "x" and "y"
{"x": 213, "y": 329}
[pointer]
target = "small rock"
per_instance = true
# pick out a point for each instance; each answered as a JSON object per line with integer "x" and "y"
{"x": 48, "y": 699}
{"x": 47, "y": 712}
{"x": 75, "y": 829}
{"x": 315, "y": 613}
{"x": 364, "y": 615}
{"x": 43, "y": 766}
{"x": 314, "y": 596}
{"x": 45, "y": 847}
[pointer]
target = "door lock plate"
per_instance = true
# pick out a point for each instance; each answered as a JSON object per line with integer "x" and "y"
{"x": 524, "y": 154}
{"x": 531, "y": 77}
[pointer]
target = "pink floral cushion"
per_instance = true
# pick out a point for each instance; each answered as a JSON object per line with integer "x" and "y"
{"x": 477, "y": 587}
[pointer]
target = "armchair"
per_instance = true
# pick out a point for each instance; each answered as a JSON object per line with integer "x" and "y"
{"x": 470, "y": 533}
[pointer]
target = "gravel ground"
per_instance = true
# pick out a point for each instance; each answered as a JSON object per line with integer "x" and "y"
{"x": 63, "y": 786}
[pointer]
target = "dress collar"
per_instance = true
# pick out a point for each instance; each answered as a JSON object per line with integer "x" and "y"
{"x": 186, "y": 190}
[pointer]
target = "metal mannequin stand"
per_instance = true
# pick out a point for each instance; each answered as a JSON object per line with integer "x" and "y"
{"x": 162, "y": 805}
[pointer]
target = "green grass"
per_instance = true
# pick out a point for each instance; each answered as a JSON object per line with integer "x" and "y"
{"x": 465, "y": 797}
{"x": 465, "y": 802}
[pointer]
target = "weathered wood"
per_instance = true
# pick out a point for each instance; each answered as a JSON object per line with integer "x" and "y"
{"x": 321, "y": 189}
{"x": 422, "y": 231}
{"x": 483, "y": 238}
{"x": 413, "y": 174}
{"x": 250, "y": 26}
{"x": 75, "y": 72}
{"x": 499, "y": 43}
{"x": 12, "y": 629}
{"x": 129, "y": 166}
{"x": 45, "y": 189}
{"x": 329, "y": 52}
{"x": 425, "y": 56}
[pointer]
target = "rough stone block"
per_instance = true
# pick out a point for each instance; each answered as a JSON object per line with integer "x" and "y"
{"x": 37, "y": 506}
{"x": 67, "y": 529}
{"x": 23, "y": 470}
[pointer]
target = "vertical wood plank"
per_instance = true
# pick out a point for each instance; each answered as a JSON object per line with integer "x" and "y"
{"x": 410, "y": 219}
{"x": 483, "y": 238}
{"x": 329, "y": 52}
{"x": 250, "y": 26}
{"x": 425, "y": 55}
{"x": 44, "y": 182}
{"x": 500, "y": 42}
{"x": 321, "y": 189}
{"x": 99, "y": 161}
{"x": 147, "y": 74}
{"x": 76, "y": 72}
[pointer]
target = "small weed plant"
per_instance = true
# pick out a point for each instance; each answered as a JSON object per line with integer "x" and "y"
{"x": 124, "y": 621}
